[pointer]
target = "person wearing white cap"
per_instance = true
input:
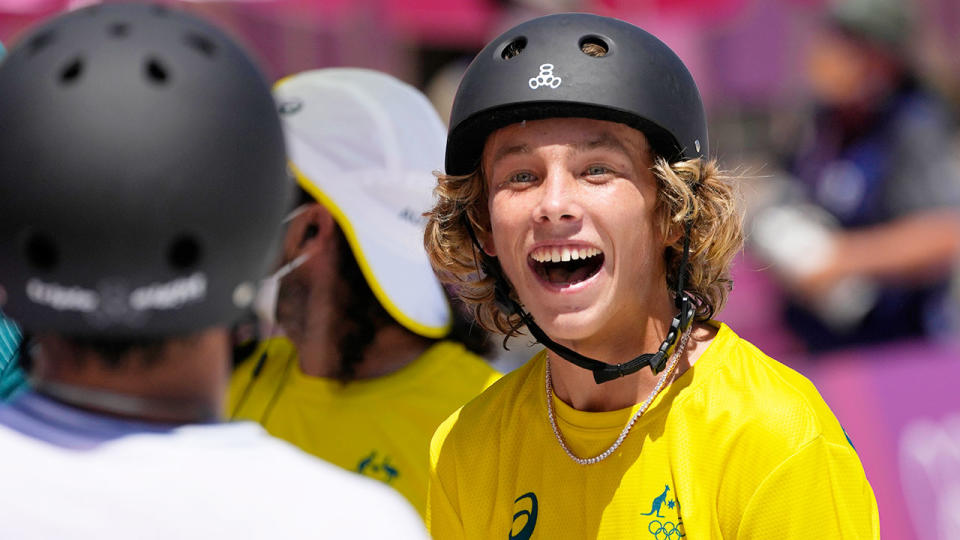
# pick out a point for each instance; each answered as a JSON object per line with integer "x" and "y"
{"x": 363, "y": 375}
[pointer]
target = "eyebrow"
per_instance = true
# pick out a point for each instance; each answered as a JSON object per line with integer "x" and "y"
{"x": 509, "y": 150}
{"x": 607, "y": 141}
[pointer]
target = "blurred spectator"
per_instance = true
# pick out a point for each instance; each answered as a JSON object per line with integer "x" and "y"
{"x": 865, "y": 238}
{"x": 368, "y": 368}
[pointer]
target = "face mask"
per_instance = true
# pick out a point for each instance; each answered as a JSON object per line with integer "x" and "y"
{"x": 265, "y": 302}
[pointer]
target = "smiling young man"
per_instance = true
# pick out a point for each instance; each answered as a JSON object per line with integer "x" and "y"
{"x": 580, "y": 202}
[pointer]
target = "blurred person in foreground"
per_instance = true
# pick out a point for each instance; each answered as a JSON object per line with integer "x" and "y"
{"x": 865, "y": 233}
{"x": 579, "y": 183}
{"x": 367, "y": 368}
{"x": 142, "y": 182}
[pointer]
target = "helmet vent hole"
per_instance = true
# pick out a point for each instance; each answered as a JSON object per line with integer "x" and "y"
{"x": 41, "y": 252}
{"x": 157, "y": 72}
{"x": 594, "y": 46}
{"x": 514, "y": 48}
{"x": 40, "y": 42}
{"x": 72, "y": 71}
{"x": 119, "y": 30}
{"x": 201, "y": 44}
{"x": 184, "y": 252}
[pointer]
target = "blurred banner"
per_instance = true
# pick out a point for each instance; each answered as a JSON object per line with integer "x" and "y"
{"x": 900, "y": 405}
{"x": 744, "y": 54}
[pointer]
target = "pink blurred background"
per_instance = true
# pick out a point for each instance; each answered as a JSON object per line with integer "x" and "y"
{"x": 897, "y": 401}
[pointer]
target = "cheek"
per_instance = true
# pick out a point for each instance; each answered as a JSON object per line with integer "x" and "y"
{"x": 629, "y": 206}
{"x": 504, "y": 218}
{"x": 637, "y": 235}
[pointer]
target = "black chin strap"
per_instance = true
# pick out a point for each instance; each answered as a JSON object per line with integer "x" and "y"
{"x": 602, "y": 372}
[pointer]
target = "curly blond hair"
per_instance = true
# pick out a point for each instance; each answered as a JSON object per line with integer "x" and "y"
{"x": 695, "y": 190}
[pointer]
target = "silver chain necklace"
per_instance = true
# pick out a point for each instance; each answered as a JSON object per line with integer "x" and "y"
{"x": 626, "y": 430}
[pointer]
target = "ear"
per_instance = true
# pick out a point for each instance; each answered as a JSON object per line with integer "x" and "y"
{"x": 486, "y": 240}
{"x": 311, "y": 230}
{"x": 673, "y": 234}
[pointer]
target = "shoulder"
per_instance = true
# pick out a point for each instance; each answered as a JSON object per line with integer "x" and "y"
{"x": 920, "y": 125}
{"x": 484, "y": 415}
{"x": 454, "y": 356}
{"x": 266, "y": 362}
{"x": 764, "y": 396}
{"x": 504, "y": 395}
{"x": 763, "y": 426}
{"x": 921, "y": 106}
{"x": 300, "y": 483}
{"x": 230, "y": 468}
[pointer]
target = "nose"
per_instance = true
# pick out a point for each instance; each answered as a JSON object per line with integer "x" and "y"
{"x": 558, "y": 199}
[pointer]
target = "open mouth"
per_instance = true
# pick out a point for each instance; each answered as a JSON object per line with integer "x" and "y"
{"x": 566, "y": 266}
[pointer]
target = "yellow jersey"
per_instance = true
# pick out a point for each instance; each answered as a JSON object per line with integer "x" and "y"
{"x": 739, "y": 446}
{"x": 377, "y": 427}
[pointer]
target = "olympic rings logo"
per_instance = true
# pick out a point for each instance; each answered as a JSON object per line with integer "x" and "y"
{"x": 545, "y": 78}
{"x": 668, "y": 529}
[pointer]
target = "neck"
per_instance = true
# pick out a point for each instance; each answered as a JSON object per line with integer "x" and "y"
{"x": 392, "y": 348}
{"x": 576, "y": 386}
{"x": 309, "y": 318}
{"x": 123, "y": 405}
{"x": 184, "y": 382}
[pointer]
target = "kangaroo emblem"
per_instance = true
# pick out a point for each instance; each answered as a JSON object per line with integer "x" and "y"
{"x": 366, "y": 462}
{"x": 657, "y": 503}
{"x": 383, "y": 471}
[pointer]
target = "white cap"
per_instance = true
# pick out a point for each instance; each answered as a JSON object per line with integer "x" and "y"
{"x": 365, "y": 145}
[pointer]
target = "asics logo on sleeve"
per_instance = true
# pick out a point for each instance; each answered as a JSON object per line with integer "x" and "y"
{"x": 545, "y": 78}
{"x": 528, "y": 511}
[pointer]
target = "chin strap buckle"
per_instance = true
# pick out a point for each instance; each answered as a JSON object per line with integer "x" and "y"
{"x": 680, "y": 323}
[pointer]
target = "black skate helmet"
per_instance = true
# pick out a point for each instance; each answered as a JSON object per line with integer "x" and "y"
{"x": 142, "y": 175}
{"x": 539, "y": 70}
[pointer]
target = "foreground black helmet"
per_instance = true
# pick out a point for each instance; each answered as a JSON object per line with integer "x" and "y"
{"x": 539, "y": 70}
{"x": 142, "y": 175}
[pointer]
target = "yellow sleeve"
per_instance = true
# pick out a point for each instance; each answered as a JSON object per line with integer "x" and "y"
{"x": 818, "y": 492}
{"x": 443, "y": 517}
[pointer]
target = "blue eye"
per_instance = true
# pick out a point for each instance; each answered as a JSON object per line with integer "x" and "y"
{"x": 597, "y": 170}
{"x": 523, "y": 178}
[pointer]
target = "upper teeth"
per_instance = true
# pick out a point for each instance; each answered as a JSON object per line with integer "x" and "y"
{"x": 563, "y": 254}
